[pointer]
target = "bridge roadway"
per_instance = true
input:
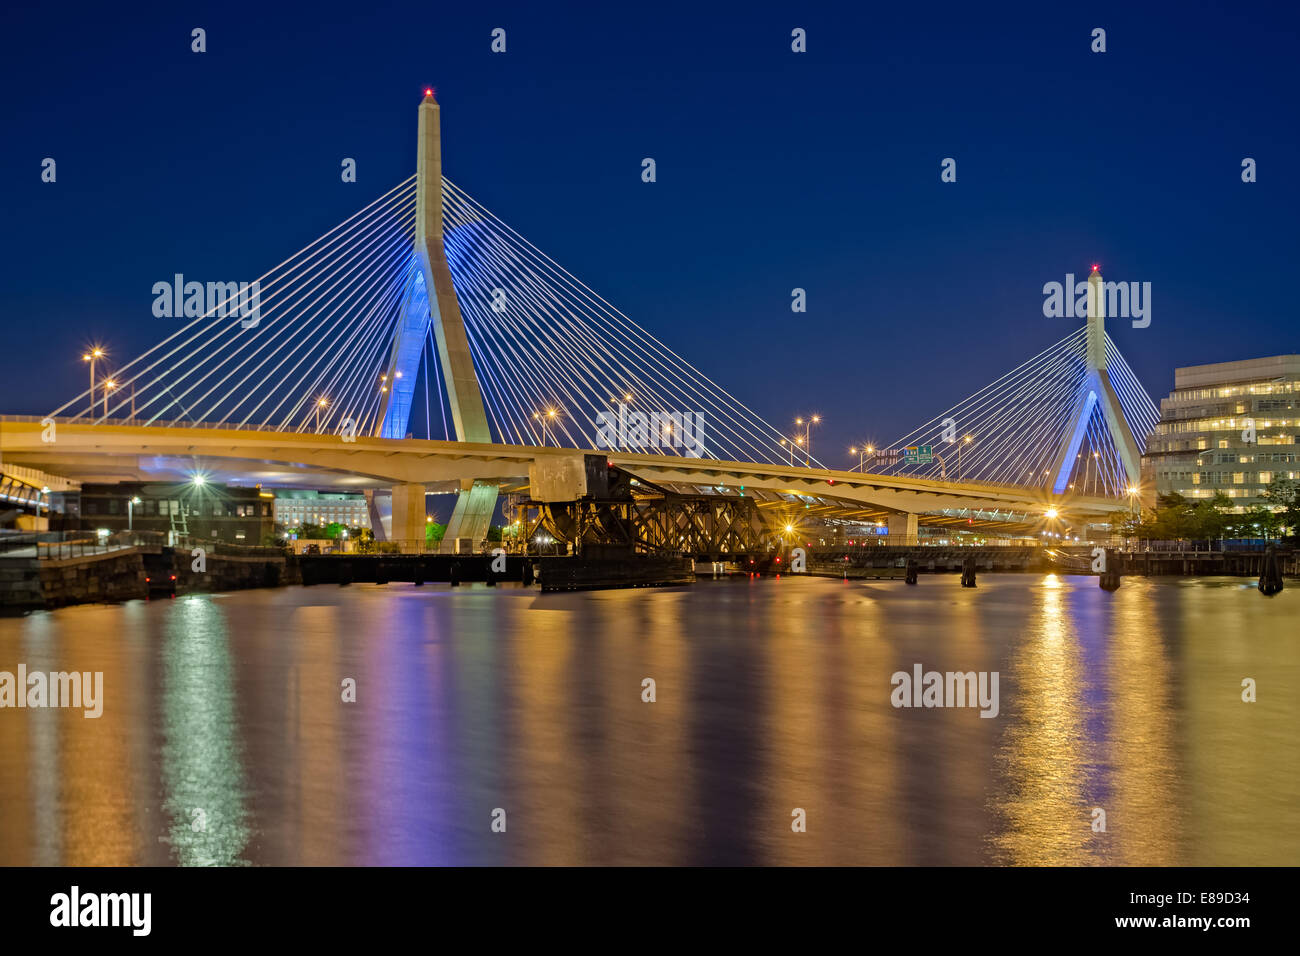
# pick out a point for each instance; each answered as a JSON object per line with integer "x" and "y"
{"x": 88, "y": 452}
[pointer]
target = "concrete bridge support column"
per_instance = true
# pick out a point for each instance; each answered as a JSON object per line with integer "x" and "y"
{"x": 472, "y": 514}
{"x": 902, "y": 527}
{"x": 380, "y": 506}
{"x": 408, "y": 516}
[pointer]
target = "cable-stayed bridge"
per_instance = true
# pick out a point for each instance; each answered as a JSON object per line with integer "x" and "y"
{"x": 423, "y": 345}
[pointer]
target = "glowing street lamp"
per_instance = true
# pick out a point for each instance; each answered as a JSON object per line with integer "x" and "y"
{"x": 95, "y": 353}
{"x": 862, "y": 453}
{"x": 965, "y": 440}
{"x": 621, "y": 405}
{"x": 806, "y": 441}
{"x": 108, "y": 387}
{"x": 546, "y": 418}
{"x": 320, "y": 403}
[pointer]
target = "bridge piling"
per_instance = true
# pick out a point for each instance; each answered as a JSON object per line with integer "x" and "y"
{"x": 968, "y": 573}
{"x": 1270, "y": 574}
{"x": 1110, "y": 578}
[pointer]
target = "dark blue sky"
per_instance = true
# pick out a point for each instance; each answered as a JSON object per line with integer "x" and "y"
{"x": 775, "y": 170}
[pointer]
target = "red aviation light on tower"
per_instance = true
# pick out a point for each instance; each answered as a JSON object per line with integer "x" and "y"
{"x": 1096, "y": 267}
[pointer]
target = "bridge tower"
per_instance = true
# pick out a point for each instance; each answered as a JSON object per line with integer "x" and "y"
{"x": 1096, "y": 390}
{"x": 477, "y": 500}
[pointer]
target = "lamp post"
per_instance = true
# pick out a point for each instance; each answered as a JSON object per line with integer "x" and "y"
{"x": 965, "y": 440}
{"x": 622, "y": 406}
{"x": 320, "y": 403}
{"x": 545, "y": 418}
{"x": 91, "y": 356}
{"x": 108, "y": 387}
{"x": 862, "y": 451}
{"x": 130, "y": 512}
{"x": 806, "y": 441}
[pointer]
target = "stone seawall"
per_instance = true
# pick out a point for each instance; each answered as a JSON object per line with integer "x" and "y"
{"x": 31, "y": 584}
{"x": 27, "y": 583}
{"x": 227, "y": 572}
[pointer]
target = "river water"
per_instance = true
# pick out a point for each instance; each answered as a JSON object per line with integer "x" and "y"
{"x": 225, "y": 738}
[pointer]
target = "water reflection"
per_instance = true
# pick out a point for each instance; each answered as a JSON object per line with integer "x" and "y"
{"x": 202, "y": 774}
{"x": 770, "y": 696}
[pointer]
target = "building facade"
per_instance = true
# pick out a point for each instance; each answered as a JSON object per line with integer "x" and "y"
{"x": 293, "y": 509}
{"x": 209, "y": 511}
{"x": 1230, "y": 427}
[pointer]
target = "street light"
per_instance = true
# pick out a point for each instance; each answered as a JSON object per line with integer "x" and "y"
{"x": 965, "y": 440}
{"x": 621, "y": 437}
{"x": 108, "y": 387}
{"x": 806, "y": 442}
{"x": 95, "y": 353}
{"x": 545, "y": 418}
{"x": 320, "y": 403}
{"x": 130, "y": 505}
{"x": 862, "y": 451}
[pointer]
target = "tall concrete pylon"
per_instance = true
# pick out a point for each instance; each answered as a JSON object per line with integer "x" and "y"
{"x": 1096, "y": 390}
{"x": 477, "y": 500}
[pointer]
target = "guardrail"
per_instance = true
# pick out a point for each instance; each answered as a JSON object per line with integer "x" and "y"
{"x": 62, "y": 550}
{"x": 60, "y": 545}
{"x": 1142, "y": 545}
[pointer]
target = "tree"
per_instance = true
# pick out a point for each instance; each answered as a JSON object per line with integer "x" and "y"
{"x": 1209, "y": 517}
{"x": 1283, "y": 499}
{"x": 1258, "y": 522}
{"x": 433, "y": 532}
{"x": 1175, "y": 518}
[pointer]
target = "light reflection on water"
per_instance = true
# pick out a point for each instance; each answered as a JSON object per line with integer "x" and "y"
{"x": 771, "y": 694}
